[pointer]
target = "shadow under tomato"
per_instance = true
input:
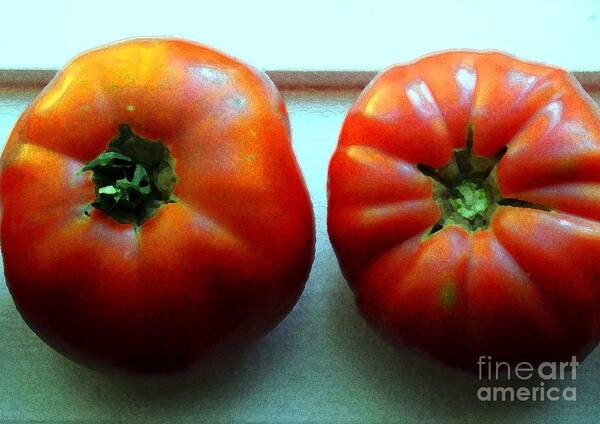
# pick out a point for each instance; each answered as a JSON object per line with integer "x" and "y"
{"x": 49, "y": 385}
{"x": 217, "y": 386}
{"x": 401, "y": 378}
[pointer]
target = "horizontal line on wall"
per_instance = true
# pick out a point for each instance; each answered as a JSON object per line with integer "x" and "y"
{"x": 590, "y": 80}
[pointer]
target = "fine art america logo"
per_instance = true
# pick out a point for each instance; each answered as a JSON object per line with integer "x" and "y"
{"x": 547, "y": 381}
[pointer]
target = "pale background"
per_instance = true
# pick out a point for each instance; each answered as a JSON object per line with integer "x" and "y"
{"x": 322, "y": 364}
{"x": 308, "y": 34}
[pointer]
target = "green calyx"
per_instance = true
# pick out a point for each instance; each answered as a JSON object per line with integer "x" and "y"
{"x": 134, "y": 177}
{"x": 466, "y": 189}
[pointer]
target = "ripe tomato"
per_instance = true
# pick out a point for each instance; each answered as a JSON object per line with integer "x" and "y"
{"x": 464, "y": 200}
{"x": 153, "y": 210}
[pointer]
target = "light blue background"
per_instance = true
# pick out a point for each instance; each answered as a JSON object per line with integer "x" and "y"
{"x": 308, "y": 34}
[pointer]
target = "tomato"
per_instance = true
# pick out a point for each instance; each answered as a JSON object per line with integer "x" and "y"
{"x": 464, "y": 208}
{"x": 153, "y": 212}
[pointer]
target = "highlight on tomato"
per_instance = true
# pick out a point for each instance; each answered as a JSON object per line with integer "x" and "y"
{"x": 153, "y": 212}
{"x": 464, "y": 208}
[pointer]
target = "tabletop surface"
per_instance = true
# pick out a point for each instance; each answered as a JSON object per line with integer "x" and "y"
{"x": 321, "y": 364}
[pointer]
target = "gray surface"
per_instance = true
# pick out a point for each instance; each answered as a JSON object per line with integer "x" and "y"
{"x": 322, "y": 364}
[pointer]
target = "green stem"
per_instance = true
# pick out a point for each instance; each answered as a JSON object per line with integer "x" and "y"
{"x": 133, "y": 178}
{"x": 466, "y": 189}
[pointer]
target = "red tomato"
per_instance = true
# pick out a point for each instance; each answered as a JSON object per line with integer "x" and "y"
{"x": 191, "y": 231}
{"x": 464, "y": 200}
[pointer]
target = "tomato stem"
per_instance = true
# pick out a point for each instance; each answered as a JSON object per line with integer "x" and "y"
{"x": 133, "y": 178}
{"x": 466, "y": 189}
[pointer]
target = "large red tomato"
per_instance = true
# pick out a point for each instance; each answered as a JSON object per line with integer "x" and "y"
{"x": 464, "y": 207}
{"x": 152, "y": 207}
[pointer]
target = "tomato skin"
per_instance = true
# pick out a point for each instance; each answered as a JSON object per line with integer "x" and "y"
{"x": 525, "y": 288}
{"x": 218, "y": 268}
